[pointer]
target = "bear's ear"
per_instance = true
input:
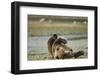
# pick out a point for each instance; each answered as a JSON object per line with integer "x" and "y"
{"x": 55, "y": 35}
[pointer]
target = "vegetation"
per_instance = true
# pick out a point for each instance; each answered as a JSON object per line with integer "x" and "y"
{"x": 48, "y": 25}
{"x": 44, "y": 28}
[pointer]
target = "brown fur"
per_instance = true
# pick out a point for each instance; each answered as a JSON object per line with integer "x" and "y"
{"x": 61, "y": 51}
{"x": 50, "y": 43}
{"x": 58, "y": 48}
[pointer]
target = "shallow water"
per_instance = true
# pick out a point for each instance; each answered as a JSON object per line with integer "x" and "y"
{"x": 38, "y": 44}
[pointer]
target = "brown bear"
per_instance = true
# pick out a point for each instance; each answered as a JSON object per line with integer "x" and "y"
{"x": 61, "y": 51}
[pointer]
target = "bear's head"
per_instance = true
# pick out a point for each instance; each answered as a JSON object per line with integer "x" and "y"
{"x": 62, "y": 52}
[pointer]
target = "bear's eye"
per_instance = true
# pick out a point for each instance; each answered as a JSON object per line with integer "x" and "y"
{"x": 71, "y": 50}
{"x": 57, "y": 48}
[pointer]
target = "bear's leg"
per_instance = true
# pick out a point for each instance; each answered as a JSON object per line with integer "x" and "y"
{"x": 79, "y": 53}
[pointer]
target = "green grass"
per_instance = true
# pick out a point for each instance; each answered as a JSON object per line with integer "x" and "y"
{"x": 45, "y": 28}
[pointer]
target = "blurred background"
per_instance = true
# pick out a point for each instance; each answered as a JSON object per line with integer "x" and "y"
{"x": 62, "y": 25}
